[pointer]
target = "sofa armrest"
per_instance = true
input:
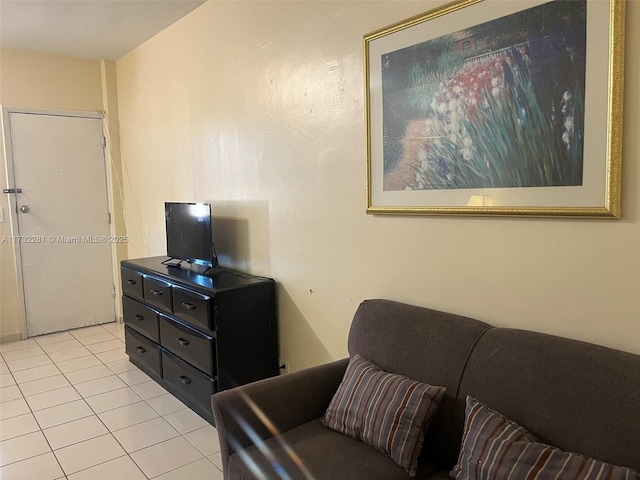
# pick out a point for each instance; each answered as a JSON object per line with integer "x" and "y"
{"x": 257, "y": 411}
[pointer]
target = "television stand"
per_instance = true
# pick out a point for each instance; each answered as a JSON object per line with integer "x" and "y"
{"x": 195, "y": 268}
{"x": 168, "y": 263}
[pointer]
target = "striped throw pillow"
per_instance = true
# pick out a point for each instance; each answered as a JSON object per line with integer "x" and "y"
{"x": 494, "y": 447}
{"x": 386, "y": 411}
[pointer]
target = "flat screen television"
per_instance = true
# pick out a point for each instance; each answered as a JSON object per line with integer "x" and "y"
{"x": 189, "y": 236}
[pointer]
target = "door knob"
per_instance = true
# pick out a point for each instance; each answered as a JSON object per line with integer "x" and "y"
{"x": 25, "y": 209}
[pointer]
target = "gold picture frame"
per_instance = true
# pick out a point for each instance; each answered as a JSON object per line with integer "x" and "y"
{"x": 486, "y": 107}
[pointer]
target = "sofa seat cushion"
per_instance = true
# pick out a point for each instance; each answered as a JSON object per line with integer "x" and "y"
{"x": 494, "y": 446}
{"x": 313, "y": 451}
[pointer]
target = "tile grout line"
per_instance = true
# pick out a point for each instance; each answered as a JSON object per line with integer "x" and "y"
{"x": 109, "y": 432}
{"x": 32, "y": 412}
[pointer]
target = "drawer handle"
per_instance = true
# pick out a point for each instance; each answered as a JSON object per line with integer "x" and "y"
{"x": 185, "y": 380}
{"x": 156, "y": 292}
{"x": 182, "y": 341}
{"x": 131, "y": 282}
{"x": 139, "y": 317}
{"x": 140, "y": 349}
{"x": 189, "y": 306}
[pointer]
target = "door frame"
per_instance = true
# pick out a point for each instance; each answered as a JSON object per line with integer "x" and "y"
{"x": 13, "y": 204}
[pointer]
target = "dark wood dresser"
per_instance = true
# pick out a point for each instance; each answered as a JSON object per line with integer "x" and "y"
{"x": 196, "y": 334}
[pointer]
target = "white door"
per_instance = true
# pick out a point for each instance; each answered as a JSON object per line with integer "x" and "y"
{"x": 63, "y": 221}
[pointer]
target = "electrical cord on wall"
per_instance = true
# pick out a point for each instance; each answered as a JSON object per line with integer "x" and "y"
{"x": 120, "y": 186}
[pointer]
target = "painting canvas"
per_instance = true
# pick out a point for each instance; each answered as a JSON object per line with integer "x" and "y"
{"x": 493, "y": 109}
{"x": 475, "y": 109}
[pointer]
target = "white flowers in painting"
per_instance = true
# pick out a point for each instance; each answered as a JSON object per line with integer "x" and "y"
{"x": 567, "y": 111}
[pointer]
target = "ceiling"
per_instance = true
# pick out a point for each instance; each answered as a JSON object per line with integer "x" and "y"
{"x": 90, "y": 29}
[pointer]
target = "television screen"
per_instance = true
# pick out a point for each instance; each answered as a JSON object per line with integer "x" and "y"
{"x": 189, "y": 232}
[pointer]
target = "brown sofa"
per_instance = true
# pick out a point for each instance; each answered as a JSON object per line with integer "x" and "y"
{"x": 577, "y": 396}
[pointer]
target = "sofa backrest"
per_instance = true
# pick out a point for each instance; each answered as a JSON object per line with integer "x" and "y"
{"x": 577, "y": 396}
{"x": 424, "y": 345}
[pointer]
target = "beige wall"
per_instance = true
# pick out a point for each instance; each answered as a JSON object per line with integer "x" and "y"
{"x": 37, "y": 80}
{"x": 41, "y": 80}
{"x": 114, "y": 169}
{"x": 258, "y": 107}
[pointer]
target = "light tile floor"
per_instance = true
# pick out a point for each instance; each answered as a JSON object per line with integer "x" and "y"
{"x": 74, "y": 407}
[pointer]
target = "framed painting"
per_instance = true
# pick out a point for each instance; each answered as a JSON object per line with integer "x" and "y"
{"x": 487, "y": 107}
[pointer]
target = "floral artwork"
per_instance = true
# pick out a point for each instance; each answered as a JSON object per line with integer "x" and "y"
{"x": 497, "y": 105}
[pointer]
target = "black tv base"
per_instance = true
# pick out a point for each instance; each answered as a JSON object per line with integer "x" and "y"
{"x": 168, "y": 261}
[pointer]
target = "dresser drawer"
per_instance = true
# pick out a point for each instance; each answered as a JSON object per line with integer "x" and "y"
{"x": 143, "y": 351}
{"x": 189, "y": 382}
{"x": 193, "y": 307}
{"x": 190, "y": 345}
{"x": 141, "y": 318}
{"x": 157, "y": 292}
{"x": 131, "y": 282}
